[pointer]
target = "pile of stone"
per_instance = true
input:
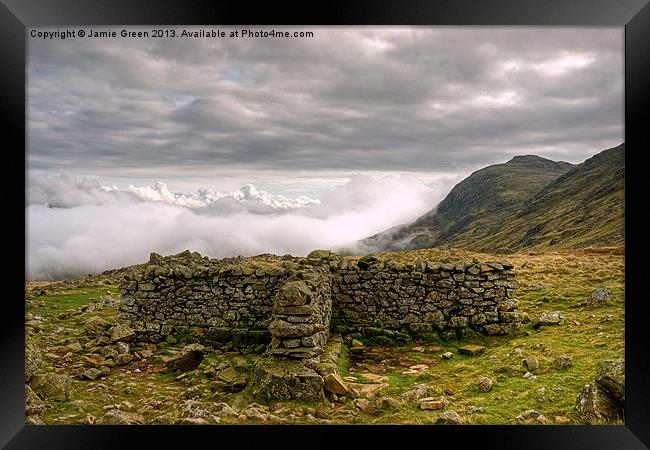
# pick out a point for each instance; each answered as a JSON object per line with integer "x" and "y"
{"x": 302, "y": 310}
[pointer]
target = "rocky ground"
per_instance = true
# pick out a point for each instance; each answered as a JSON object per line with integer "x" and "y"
{"x": 83, "y": 369}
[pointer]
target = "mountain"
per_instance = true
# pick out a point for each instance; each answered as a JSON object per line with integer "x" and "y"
{"x": 527, "y": 202}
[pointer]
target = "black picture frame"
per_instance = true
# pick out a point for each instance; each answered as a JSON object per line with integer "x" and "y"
{"x": 17, "y": 16}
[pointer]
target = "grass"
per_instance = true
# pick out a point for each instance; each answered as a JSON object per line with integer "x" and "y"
{"x": 548, "y": 281}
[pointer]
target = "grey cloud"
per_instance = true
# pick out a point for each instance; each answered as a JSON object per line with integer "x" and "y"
{"x": 398, "y": 99}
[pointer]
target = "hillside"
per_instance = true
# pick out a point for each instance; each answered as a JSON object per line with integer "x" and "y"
{"x": 528, "y": 202}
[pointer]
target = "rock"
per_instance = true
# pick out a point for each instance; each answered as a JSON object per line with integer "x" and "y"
{"x": 450, "y": 417}
{"x": 415, "y": 393}
{"x": 475, "y": 410}
{"x": 122, "y": 359}
{"x": 33, "y": 358}
{"x": 365, "y": 405}
{"x": 471, "y": 350}
{"x": 563, "y": 362}
{"x": 531, "y": 414}
{"x": 256, "y": 412}
{"x": 122, "y": 333}
{"x": 293, "y": 293}
{"x": 122, "y": 348}
{"x": 485, "y": 384}
{"x": 74, "y": 347}
{"x": 52, "y": 386}
{"x": 531, "y": 364}
{"x": 188, "y": 358}
{"x": 117, "y": 417}
{"x": 335, "y": 385}
{"x": 550, "y": 318}
{"x": 91, "y": 374}
{"x": 320, "y": 254}
{"x": 228, "y": 375}
{"x": 194, "y": 421}
{"x": 95, "y": 326}
{"x": 447, "y": 355}
{"x": 388, "y": 403}
{"x": 418, "y": 349}
{"x": 428, "y": 404}
{"x": 224, "y": 410}
{"x": 146, "y": 354}
{"x": 33, "y": 404}
{"x": 599, "y": 297}
{"x": 529, "y": 376}
{"x": 610, "y": 376}
{"x": 357, "y": 343}
{"x": 277, "y": 379}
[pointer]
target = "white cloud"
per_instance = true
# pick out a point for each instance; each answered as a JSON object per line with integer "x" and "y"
{"x": 102, "y": 229}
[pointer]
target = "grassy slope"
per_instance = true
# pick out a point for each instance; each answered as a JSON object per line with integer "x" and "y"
{"x": 547, "y": 281}
{"x": 528, "y": 202}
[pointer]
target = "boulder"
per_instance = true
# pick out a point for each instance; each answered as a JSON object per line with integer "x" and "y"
{"x": 335, "y": 385}
{"x": 188, "y": 358}
{"x": 471, "y": 350}
{"x": 122, "y": 333}
{"x": 449, "y": 418}
{"x": 563, "y": 362}
{"x": 51, "y": 386}
{"x": 95, "y": 326}
{"x": 33, "y": 358}
{"x": 285, "y": 379}
{"x": 550, "y": 318}
{"x": 117, "y": 417}
{"x": 33, "y": 404}
{"x": 610, "y": 376}
{"x": 599, "y": 297}
{"x": 531, "y": 364}
{"x": 485, "y": 384}
{"x": 320, "y": 254}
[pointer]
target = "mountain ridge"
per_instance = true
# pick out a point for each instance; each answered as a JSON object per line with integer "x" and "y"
{"x": 526, "y": 202}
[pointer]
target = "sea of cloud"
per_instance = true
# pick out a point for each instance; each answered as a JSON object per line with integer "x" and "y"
{"x": 77, "y": 226}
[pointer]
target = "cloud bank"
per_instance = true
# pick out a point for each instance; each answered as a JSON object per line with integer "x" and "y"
{"x": 75, "y": 227}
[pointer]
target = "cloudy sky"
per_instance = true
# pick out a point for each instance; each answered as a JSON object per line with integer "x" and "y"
{"x": 318, "y": 123}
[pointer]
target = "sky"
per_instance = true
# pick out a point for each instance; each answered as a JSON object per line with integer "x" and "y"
{"x": 317, "y": 127}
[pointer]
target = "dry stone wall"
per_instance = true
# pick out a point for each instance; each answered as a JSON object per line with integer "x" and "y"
{"x": 293, "y": 303}
{"x": 424, "y": 296}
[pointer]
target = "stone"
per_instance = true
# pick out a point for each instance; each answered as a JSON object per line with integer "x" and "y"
{"x": 194, "y": 421}
{"x": 563, "y": 362}
{"x": 122, "y": 333}
{"x": 95, "y": 326}
{"x": 33, "y": 358}
{"x": 122, "y": 348}
{"x": 529, "y": 376}
{"x": 475, "y": 409}
{"x": 550, "y": 318}
{"x": 599, "y": 297}
{"x": 335, "y": 385}
{"x": 188, "y": 358}
{"x": 224, "y": 410}
{"x": 388, "y": 404}
{"x": 91, "y": 374}
{"x": 471, "y": 350}
{"x": 51, "y": 386}
{"x": 610, "y": 376}
{"x": 293, "y": 293}
{"x": 432, "y": 405}
{"x": 531, "y": 414}
{"x": 33, "y": 404}
{"x": 485, "y": 384}
{"x": 317, "y": 254}
{"x": 447, "y": 355}
{"x": 228, "y": 375}
{"x": 277, "y": 379}
{"x": 531, "y": 364}
{"x": 450, "y": 417}
{"x": 116, "y": 417}
{"x": 415, "y": 393}
{"x": 123, "y": 359}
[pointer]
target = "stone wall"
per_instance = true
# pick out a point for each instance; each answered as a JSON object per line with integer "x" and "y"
{"x": 186, "y": 294}
{"x": 290, "y": 302}
{"x": 424, "y": 296}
